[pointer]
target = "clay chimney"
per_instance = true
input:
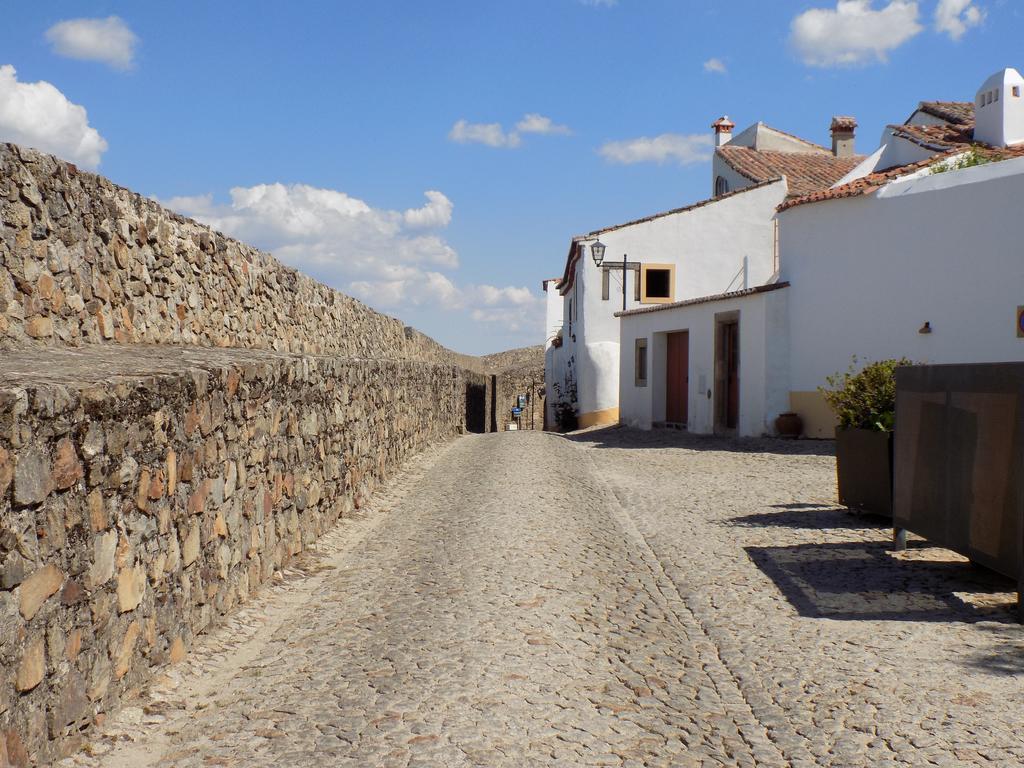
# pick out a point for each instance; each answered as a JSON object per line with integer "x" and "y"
{"x": 843, "y": 128}
{"x": 723, "y": 130}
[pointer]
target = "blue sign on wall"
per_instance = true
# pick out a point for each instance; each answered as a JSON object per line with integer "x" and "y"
{"x": 517, "y": 411}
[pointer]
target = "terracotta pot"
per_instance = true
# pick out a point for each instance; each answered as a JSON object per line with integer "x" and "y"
{"x": 789, "y": 425}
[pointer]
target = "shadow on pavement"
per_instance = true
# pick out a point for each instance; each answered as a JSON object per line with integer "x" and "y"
{"x": 1009, "y": 659}
{"x": 625, "y": 437}
{"x": 862, "y": 581}
{"x": 812, "y": 517}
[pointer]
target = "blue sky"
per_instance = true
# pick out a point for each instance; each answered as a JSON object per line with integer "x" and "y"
{"x": 337, "y": 124}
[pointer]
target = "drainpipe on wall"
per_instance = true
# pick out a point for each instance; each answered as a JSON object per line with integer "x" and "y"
{"x": 746, "y": 272}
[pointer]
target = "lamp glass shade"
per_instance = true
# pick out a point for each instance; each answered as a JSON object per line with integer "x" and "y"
{"x": 597, "y": 252}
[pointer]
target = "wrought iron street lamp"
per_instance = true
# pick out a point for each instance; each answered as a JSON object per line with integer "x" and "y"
{"x": 597, "y": 249}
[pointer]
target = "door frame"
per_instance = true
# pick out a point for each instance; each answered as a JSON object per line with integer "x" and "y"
{"x": 686, "y": 386}
{"x": 721, "y": 400}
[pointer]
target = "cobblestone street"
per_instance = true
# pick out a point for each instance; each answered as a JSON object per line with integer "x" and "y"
{"x": 614, "y": 598}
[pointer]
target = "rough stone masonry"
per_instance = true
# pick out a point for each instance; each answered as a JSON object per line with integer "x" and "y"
{"x": 180, "y": 414}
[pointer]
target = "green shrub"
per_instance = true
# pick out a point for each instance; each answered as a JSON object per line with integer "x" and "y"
{"x": 865, "y": 399}
{"x": 969, "y": 159}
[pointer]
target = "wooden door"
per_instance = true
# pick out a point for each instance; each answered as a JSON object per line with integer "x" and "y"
{"x": 677, "y": 387}
{"x": 731, "y": 358}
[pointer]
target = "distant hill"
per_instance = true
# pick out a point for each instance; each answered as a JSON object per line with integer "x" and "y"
{"x": 523, "y": 357}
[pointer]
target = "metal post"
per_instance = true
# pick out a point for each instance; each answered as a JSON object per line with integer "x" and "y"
{"x": 899, "y": 539}
{"x": 624, "y": 269}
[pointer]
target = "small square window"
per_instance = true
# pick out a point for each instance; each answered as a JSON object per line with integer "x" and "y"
{"x": 996, "y": 97}
{"x": 658, "y": 284}
{"x": 640, "y": 363}
{"x": 1016, "y": 91}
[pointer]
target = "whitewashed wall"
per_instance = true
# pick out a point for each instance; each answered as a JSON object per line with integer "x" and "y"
{"x": 764, "y": 364}
{"x": 733, "y": 178}
{"x": 553, "y": 311}
{"x": 868, "y": 272}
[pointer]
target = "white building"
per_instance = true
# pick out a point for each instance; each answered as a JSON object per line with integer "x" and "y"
{"x": 721, "y": 244}
{"x": 552, "y": 346}
{"x": 715, "y": 245}
{"x": 893, "y": 261}
{"x": 710, "y": 365}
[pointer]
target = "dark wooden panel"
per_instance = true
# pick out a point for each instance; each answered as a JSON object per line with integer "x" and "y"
{"x": 958, "y": 455}
{"x": 678, "y": 378}
{"x": 731, "y": 356}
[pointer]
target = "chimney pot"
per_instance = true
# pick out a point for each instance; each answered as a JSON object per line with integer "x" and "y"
{"x": 723, "y": 130}
{"x": 843, "y": 129}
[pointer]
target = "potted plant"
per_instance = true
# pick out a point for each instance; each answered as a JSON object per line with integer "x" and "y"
{"x": 864, "y": 403}
{"x": 565, "y": 405}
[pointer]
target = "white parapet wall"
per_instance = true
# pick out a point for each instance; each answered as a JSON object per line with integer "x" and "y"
{"x": 869, "y": 272}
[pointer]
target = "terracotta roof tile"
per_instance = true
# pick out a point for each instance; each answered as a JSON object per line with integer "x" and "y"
{"x": 938, "y": 137}
{"x": 806, "y": 173}
{"x": 957, "y": 112}
{"x": 873, "y": 181}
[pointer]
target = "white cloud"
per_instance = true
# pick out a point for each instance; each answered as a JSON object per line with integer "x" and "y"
{"x": 436, "y": 213}
{"x": 107, "y": 40}
{"x": 392, "y": 260}
{"x": 534, "y": 123}
{"x": 494, "y": 135}
{"x": 39, "y": 115}
{"x": 854, "y": 32}
{"x": 493, "y": 297}
{"x": 674, "y": 147}
{"x": 491, "y": 134}
{"x": 715, "y": 65}
{"x": 955, "y": 17}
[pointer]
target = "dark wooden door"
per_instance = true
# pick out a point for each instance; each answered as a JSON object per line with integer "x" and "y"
{"x": 731, "y": 358}
{"x": 678, "y": 382}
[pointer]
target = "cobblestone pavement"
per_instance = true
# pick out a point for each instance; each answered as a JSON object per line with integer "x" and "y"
{"x": 615, "y": 598}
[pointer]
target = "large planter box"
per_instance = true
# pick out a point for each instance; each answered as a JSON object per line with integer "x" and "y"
{"x": 864, "y": 470}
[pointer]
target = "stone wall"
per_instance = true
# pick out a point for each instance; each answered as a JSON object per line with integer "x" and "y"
{"x": 134, "y": 510}
{"x": 180, "y": 414}
{"x": 84, "y": 261}
{"x": 518, "y": 372}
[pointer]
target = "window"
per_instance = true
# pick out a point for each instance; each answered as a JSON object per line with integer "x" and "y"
{"x": 658, "y": 283}
{"x": 996, "y": 92}
{"x": 721, "y": 186}
{"x": 640, "y": 361}
{"x": 1016, "y": 91}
